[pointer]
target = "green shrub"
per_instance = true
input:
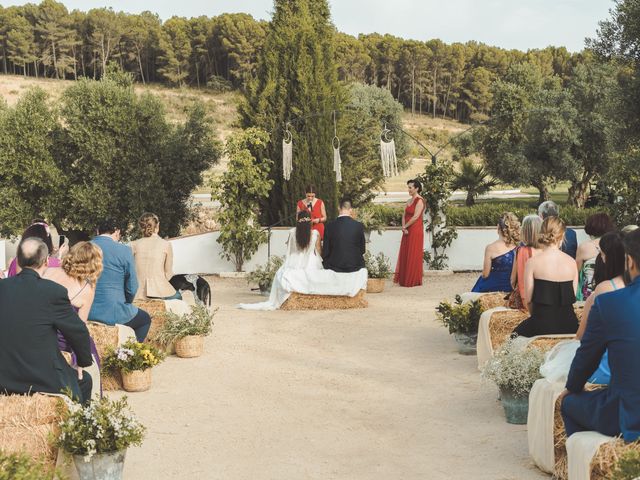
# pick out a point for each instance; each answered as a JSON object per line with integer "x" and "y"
{"x": 18, "y": 466}
{"x": 387, "y": 215}
{"x": 378, "y": 266}
{"x": 459, "y": 317}
{"x": 263, "y": 275}
{"x": 487, "y": 214}
{"x": 198, "y": 322}
{"x": 628, "y": 466}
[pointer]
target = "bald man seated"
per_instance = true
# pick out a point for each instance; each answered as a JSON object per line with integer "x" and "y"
{"x": 32, "y": 311}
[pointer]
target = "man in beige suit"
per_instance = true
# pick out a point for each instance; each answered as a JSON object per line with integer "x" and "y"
{"x": 154, "y": 261}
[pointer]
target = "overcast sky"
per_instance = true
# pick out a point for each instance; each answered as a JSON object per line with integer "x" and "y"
{"x": 521, "y": 24}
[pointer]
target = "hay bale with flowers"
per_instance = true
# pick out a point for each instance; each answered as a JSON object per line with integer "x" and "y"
{"x": 28, "y": 424}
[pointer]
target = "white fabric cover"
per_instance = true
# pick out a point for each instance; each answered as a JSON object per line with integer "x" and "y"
{"x": 471, "y": 296}
{"x": 581, "y": 448}
{"x": 484, "y": 348}
{"x": 179, "y": 307}
{"x": 540, "y": 420}
{"x": 302, "y": 272}
{"x": 557, "y": 361}
{"x": 124, "y": 333}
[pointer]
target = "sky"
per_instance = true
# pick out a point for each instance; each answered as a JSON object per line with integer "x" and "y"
{"x": 519, "y": 24}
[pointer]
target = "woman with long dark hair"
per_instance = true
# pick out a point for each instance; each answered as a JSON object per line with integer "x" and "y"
{"x": 316, "y": 209}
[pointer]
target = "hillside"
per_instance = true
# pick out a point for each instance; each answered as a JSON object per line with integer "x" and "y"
{"x": 222, "y": 107}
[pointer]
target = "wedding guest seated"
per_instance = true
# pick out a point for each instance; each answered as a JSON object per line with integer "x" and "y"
{"x": 79, "y": 273}
{"x": 38, "y": 229}
{"x": 550, "y": 281}
{"x": 154, "y": 261}
{"x": 344, "y": 244}
{"x": 613, "y": 325}
{"x": 595, "y": 226}
{"x": 499, "y": 256}
{"x": 528, "y": 248}
{"x": 570, "y": 243}
{"x": 32, "y": 310}
{"x": 117, "y": 285}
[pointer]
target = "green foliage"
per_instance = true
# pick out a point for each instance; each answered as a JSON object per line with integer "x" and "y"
{"x": 459, "y": 317}
{"x": 436, "y": 190}
{"x": 244, "y": 184}
{"x": 263, "y": 275}
{"x": 474, "y": 179}
{"x": 515, "y": 367}
{"x": 297, "y": 81}
{"x": 371, "y": 218}
{"x": 383, "y": 215}
{"x": 198, "y": 322}
{"x": 358, "y": 128}
{"x": 378, "y": 266}
{"x": 487, "y": 214}
{"x": 103, "y": 426}
{"x": 628, "y": 466}
{"x": 19, "y": 466}
{"x": 132, "y": 356}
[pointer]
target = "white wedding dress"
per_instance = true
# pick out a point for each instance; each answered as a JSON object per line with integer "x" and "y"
{"x": 302, "y": 272}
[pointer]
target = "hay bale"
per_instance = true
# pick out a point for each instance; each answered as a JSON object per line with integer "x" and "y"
{"x": 547, "y": 342}
{"x": 106, "y": 338}
{"x": 606, "y": 458}
{"x": 493, "y": 300}
{"x": 30, "y": 424}
{"x": 156, "y": 310}
{"x": 501, "y": 325}
{"x": 299, "y": 301}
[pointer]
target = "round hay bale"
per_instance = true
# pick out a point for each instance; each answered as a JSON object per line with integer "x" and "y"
{"x": 502, "y": 323}
{"x": 606, "y": 458}
{"x": 30, "y": 424}
{"x": 299, "y": 301}
{"x": 493, "y": 300}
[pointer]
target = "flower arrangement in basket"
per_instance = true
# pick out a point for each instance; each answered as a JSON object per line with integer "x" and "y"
{"x": 514, "y": 369}
{"x": 97, "y": 436}
{"x": 134, "y": 360}
{"x": 187, "y": 331}
{"x": 263, "y": 276}
{"x": 378, "y": 269}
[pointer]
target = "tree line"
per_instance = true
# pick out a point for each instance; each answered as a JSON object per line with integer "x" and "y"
{"x": 445, "y": 80}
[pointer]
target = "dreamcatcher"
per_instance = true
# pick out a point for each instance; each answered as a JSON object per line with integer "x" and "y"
{"x": 287, "y": 153}
{"x": 335, "y": 142}
{"x": 388, "y": 153}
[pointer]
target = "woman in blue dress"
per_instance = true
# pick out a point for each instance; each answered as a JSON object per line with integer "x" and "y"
{"x": 499, "y": 257}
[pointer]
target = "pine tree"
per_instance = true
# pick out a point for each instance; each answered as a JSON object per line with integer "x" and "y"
{"x": 297, "y": 82}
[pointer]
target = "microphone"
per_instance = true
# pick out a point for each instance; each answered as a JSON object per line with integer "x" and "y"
{"x": 309, "y": 206}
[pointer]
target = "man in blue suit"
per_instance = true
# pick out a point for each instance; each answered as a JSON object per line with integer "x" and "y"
{"x": 612, "y": 325}
{"x": 570, "y": 242}
{"x": 117, "y": 285}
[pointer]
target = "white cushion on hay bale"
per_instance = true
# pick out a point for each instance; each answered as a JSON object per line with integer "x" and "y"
{"x": 540, "y": 423}
{"x": 470, "y": 296}
{"x": 484, "y": 346}
{"x": 581, "y": 449}
{"x": 179, "y": 307}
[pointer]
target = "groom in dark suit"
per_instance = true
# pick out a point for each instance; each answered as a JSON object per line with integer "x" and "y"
{"x": 612, "y": 325}
{"x": 32, "y": 311}
{"x": 343, "y": 246}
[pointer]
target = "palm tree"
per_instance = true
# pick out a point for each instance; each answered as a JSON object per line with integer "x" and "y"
{"x": 474, "y": 179}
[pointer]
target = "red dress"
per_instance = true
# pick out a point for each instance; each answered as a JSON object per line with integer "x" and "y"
{"x": 410, "y": 258}
{"x": 316, "y": 212}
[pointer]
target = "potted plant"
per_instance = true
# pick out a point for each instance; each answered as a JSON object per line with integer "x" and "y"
{"x": 97, "y": 436}
{"x": 263, "y": 275}
{"x": 462, "y": 320}
{"x": 134, "y": 360}
{"x": 187, "y": 331}
{"x": 514, "y": 369}
{"x": 19, "y": 466}
{"x": 367, "y": 215}
{"x": 378, "y": 270}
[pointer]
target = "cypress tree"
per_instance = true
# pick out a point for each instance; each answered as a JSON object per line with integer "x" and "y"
{"x": 297, "y": 82}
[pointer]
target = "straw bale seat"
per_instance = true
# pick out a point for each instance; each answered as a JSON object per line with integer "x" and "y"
{"x": 487, "y": 300}
{"x": 542, "y": 426}
{"x": 501, "y": 325}
{"x": 300, "y": 301}
{"x": 106, "y": 338}
{"x": 603, "y": 462}
{"x": 30, "y": 424}
{"x": 156, "y": 310}
{"x": 547, "y": 342}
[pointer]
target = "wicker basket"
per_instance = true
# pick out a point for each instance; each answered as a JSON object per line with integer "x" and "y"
{"x": 137, "y": 380}
{"x": 375, "y": 285}
{"x": 190, "y": 346}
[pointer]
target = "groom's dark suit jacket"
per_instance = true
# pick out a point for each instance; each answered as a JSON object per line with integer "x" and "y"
{"x": 343, "y": 246}
{"x": 32, "y": 310}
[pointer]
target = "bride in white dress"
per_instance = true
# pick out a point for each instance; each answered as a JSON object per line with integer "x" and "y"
{"x": 302, "y": 261}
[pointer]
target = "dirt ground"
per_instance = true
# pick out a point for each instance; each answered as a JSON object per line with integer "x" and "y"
{"x": 378, "y": 393}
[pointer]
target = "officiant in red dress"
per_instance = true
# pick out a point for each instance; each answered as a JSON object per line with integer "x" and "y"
{"x": 316, "y": 209}
{"x": 409, "y": 268}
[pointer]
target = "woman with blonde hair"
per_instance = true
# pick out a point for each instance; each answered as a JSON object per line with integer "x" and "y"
{"x": 79, "y": 273}
{"x": 529, "y": 247}
{"x": 154, "y": 261}
{"x": 499, "y": 256}
{"x": 550, "y": 283}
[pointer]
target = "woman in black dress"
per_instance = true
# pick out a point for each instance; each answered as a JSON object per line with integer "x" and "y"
{"x": 550, "y": 283}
